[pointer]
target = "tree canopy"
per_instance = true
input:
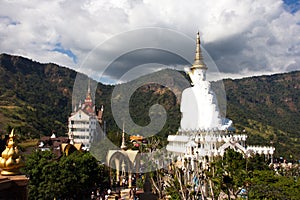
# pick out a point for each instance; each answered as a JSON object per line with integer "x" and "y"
{"x": 233, "y": 173}
{"x": 72, "y": 176}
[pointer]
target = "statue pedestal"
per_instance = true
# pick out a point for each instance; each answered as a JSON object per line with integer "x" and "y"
{"x": 14, "y": 187}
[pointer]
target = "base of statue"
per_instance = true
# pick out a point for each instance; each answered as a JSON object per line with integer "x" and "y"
{"x": 10, "y": 172}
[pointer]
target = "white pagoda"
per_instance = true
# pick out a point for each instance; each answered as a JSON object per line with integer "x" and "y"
{"x": 203, "y": 133}
{"x": 84, "y": 124}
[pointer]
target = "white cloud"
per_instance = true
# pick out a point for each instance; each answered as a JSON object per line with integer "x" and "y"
{"x": 243, "y": 37}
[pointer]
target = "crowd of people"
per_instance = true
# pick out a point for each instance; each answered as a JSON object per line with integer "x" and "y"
{"x": 97, "y": 195}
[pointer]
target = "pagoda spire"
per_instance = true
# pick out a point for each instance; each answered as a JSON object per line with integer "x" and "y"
{"x": 88, "y": 95}
{"x": 123, "y": 145}
{"x": 88, "y": 102}
{"x": 89, "y": 88}
{"x": 198, "y": 61}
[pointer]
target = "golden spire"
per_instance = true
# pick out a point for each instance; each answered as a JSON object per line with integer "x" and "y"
{"x": 11, "y": 161}
{"x": 198, "y": 63}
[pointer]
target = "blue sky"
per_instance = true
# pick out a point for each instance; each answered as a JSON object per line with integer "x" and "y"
{"x": 292, "y": 5}
{"x": 68, "y": 52}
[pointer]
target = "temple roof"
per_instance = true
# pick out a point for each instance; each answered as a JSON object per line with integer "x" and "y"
{"x": 88, "y": 105}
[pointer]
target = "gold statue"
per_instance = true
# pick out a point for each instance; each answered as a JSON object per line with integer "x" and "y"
{"x": 11, "y": 161}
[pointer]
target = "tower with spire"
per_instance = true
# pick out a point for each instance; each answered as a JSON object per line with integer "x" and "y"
{"x": 123, "y": 144}
{"x": 85, "y": 123}
{"x": 197, "y": 71}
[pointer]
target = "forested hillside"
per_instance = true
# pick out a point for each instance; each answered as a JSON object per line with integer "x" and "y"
{"x": 267, "y": 107}
{"x": 34, "y": 96}
{"x": 37, "y": 98}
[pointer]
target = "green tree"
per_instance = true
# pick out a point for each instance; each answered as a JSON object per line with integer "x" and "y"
{"x": 42, "y": 170}
{"x": 265, "y": 184}
{"x": 230, "y": 173}
{"x": 175, "y": 184}
{"x": 72, "y": 176}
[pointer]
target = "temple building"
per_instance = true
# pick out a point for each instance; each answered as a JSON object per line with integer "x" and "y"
{"x": 85, "y": 123}
{"x": 125, "y": 162}
{"x": 203, "y": 133}
{"x": 59, "y": 145}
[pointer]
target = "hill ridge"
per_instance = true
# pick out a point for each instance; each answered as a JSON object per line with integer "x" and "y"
{"x": 37, "y": 98}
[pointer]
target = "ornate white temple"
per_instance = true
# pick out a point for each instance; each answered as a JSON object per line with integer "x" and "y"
{"x": 84, "y": 124}
{"x": 203, "y": 133}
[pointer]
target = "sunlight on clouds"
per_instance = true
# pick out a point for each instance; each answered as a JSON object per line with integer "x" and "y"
{"x": 243, "y": 37}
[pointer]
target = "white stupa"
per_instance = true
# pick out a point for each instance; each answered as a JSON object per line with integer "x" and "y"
{"x": 203, "y": 133}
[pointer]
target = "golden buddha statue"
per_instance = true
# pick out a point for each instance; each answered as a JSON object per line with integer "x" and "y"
{"x": 11, "y": 161}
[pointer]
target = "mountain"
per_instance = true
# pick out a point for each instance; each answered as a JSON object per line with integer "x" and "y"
{"x": 34, "y": 96}
{"x": 37, "y": 98}
{"x": 268, "y": 107}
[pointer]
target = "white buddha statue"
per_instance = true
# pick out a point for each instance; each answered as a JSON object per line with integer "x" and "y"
{"x": 199, "y": 105}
